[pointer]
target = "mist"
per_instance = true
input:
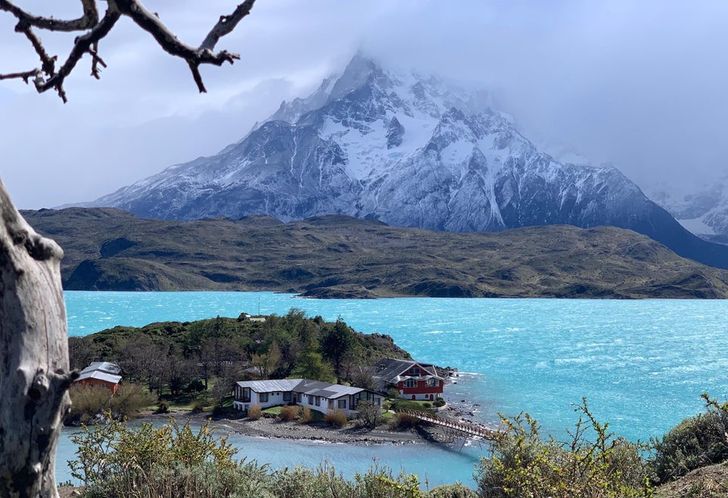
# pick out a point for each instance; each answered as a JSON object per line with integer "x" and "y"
{"x": 639, "y": 85}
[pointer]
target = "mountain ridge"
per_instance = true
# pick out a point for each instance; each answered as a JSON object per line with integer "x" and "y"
{"x": 340, "y": 256}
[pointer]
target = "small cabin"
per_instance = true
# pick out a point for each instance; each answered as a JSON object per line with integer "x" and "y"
{"x": 101, "y": 373}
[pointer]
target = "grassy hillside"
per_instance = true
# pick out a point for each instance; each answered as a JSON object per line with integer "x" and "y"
{"x": 337, "y": 256}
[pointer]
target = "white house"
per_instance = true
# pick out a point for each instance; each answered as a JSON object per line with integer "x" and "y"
{"x": 320, "y": 396}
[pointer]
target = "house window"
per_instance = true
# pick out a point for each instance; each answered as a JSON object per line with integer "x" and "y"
{"x": 318, "y": 400}
{"x": 286, "y": 396}
{"x": 245, "y": 395}
{"x": 415, "y": 372}
{"x": 263, "y": 397}
{"x": 410, "y": 383}
{"x": 433, "y": 382}
{"x": 310, "y": 399}
{"x": 342, "y": 404}
{"x": 331, "y": 404}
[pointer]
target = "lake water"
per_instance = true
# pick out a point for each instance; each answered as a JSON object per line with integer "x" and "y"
{"x": 641, "y": 364}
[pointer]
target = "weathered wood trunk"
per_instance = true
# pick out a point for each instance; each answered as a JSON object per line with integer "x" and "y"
{"x": 34, "y": 373}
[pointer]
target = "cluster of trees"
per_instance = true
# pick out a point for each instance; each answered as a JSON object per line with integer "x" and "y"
{"x": 175, "y": 359}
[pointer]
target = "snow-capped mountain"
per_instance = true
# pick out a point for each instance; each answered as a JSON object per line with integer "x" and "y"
{"x": 704, "y": 212}
{"x": 409, "y": 150}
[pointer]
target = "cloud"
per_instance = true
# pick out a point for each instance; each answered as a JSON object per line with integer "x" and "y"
{"x": 638, "y": 84}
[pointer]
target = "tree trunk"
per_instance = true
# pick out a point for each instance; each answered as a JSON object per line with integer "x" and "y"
{"x": 34, "y": 373}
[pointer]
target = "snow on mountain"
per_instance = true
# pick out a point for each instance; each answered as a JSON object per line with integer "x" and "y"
{"x": 409, "y": 150}
{"x": 704, "y": 212}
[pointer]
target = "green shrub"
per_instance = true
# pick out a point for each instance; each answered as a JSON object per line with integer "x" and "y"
{"x": 336, "y": 418}
{"x": 427, "y": 405}
{"x": 439, "y": 403}
{"x": 696, "y": 442}
{"x": 255, "y": 412}
{"x": 289, "y": 413}
{"x": 593, "y": 464}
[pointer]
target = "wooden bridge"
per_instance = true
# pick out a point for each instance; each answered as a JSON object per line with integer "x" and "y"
{"x": 468, "y": 428}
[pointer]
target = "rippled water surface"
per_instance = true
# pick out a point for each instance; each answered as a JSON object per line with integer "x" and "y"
{"x": 641, "y": 364}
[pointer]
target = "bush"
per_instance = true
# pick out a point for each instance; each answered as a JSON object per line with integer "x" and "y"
{"x": 89, "y": 401}
{"x": 129, "y": 400}
{"x": 195, "y": 386}
{"x": 289, "y": 413}
{"x": 255, "y": 412}
{"x": 592, "y": 464}
{"x": 369, "y": 414}
{"x": 162, "y": 408}
{"x": 427, "y": 405}
{"x": 306, "y": 416}
{"x": 439, "y": 403}
{"x": 696, "y": 442}
{"x": 336, "y": 418}
{"x": 404, "y": 422}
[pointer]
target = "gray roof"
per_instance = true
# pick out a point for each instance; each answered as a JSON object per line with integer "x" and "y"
{"x": 103, "y": 366}
{"x": 270, "y": 386}
{"x": 325, "y": 389}
{"x": 302, "y": 386}
{"x": 99, "y": 375}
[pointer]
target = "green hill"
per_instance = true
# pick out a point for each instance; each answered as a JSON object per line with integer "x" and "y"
{"x": 336, "y": 256}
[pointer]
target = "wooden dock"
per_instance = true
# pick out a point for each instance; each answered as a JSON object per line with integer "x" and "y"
{"x": 468, "y": 428}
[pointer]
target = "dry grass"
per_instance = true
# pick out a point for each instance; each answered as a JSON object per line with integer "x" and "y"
{"x": 336, "y": 418}
{"x": 289, "y": 413}
{"x": 255, "y": 412}
{"x": 306, "y": 416}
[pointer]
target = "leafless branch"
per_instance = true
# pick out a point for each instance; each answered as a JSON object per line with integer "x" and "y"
{"x": 47, "y": 77}
{"x": 88, "y": 20}
{"x": 25, "y": 75}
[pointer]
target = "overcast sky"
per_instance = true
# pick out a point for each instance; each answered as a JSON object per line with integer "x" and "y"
{"x": 639, "y": 83}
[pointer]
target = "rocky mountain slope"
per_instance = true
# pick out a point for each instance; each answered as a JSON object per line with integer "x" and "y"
{"x": 338, "y": 256}
{"x": 411, "y": 151}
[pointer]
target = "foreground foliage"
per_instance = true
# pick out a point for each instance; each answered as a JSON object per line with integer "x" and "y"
{"x": 593, "y": 464}
{"x": 115, "y": 461}
{"x": 696, "y": 442}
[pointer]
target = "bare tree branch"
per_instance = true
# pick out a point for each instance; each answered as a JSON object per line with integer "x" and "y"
{"x": 87, "y": 21}
{"x": 226, "y": 24}
{"x": 25, "y": 75}
{"x": 46, "y": 77}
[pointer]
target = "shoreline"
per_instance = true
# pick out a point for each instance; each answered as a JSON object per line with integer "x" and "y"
{"x": 272, "y": 428}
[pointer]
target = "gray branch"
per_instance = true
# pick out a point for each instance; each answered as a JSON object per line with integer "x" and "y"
{"x": 46, "y": 77}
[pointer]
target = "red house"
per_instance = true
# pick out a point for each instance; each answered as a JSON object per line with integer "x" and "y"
{"x": 101, "y": 373}
{"x": 413, "y": 380}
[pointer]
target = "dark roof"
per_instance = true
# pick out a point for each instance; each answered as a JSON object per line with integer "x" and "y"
{"x": 387, "y": 370}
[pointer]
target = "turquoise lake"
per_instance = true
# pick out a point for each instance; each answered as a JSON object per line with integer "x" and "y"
{"x": 641, "y": 364}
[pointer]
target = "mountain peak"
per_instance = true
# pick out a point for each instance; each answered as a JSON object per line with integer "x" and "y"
{"x": 405, "y": 149}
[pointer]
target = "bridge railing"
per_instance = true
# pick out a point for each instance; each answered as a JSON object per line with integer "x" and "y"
{"x": 464, "y": 427}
